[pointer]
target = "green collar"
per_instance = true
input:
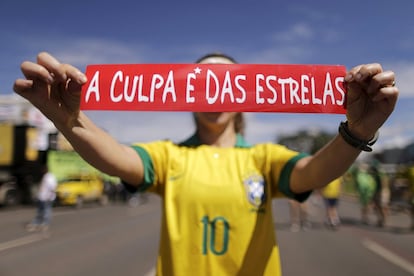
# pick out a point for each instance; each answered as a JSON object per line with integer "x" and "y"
{"x": 194, "y": 141}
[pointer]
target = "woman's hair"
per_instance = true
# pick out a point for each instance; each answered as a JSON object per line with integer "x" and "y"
{"x": 217, "y": 57}
{"x": 239, "y": 123}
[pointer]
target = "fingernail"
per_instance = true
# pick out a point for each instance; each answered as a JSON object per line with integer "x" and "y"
{"x": 348, "y": 77}
{"x": 82, "y": 78}
{"x": 50, "y": 79}
{"x": 358, "y": 76}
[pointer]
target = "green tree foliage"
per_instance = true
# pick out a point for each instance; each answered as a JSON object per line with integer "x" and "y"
{"x": 305, "y": 140}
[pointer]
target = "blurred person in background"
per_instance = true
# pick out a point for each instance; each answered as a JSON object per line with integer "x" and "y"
{"x": 299, "y": 217}
{"x": 45, "y": 198}
{"x": 369, "y": 189}
{"x": 330, "y": 194}
{"x": 365, "y": 187}
{"x": 410, "y": 178}
{"x": 216, "y": 189}
{"x": 381, "y": 194}
{"x": 411, "y": 173}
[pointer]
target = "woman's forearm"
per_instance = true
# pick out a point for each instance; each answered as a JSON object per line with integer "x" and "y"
{"x": 330, "y": 162}
{"x": 102, "y": 151}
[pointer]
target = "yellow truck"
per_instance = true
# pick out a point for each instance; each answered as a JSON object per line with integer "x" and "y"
{"x": 19, "y": 163}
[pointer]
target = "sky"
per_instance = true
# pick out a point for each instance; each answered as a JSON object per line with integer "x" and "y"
{"x": 86, "y": 32}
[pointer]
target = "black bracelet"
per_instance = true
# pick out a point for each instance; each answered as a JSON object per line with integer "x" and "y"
{"x": 353, "y": 141}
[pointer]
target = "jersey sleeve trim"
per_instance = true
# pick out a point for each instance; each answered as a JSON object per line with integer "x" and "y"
{"x": 284, "y": 181}
{"x": 148, "y": 168}
{"x": 148, "y": 171}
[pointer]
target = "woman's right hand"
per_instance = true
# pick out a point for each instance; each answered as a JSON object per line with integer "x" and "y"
{"x": 53, "y": 87}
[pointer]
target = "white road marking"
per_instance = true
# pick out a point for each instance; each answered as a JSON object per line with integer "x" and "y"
{"x": 21, "y": 241}
{"x": 389, "y": 256}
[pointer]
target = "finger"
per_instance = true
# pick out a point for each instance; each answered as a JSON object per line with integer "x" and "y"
{"x": 367, "y": 71}
{"x": 355, "y": 92}
{"x": 52, "y": 65}
{"x": 25, "y": 89}
{"x": 362, "y": 73}
{"x": 349, "y": 77}
{"x": 74, "y": 74}
{"x": 73, "y": 87}
{"x": 21, "y": 86}
{"x": 34, "y": 71}
{"x": 389, "y": 93}
{"x": 384, "y": 79}
{"x": 60, "y": 72}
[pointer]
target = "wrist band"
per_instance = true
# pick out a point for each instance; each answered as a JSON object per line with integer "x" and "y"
{"x": 355, "y": 142}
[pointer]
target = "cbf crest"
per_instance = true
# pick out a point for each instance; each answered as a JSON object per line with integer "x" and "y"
{"x": 255, "y": 188}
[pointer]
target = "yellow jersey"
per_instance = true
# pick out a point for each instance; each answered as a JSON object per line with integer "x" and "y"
{"x": 333, "y": 189}
{"x": 217, "y": 213}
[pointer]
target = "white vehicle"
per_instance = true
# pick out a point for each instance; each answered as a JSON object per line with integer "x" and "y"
{"x": 9, "y": 195}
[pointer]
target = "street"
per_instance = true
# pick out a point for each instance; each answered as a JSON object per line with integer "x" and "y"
{"x": 121, "y": 240}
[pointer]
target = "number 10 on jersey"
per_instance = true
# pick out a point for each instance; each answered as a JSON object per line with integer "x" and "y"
{"x": 215, "y": 235}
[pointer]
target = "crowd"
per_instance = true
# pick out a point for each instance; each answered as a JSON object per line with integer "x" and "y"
{"x": 380, "y": 190}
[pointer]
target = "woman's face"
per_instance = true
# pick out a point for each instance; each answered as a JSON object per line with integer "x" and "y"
{"x": 211, "y": 119}
{"x": 215, "y": 119}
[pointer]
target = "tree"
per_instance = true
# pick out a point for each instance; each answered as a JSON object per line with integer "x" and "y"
{"x": 305, "y": 140}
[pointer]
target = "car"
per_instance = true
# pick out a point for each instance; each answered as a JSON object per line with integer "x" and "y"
{"x": 77, "y": 190}
{"x": 9, "y": 195}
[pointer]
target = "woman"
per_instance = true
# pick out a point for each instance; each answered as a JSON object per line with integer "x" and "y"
{"x": 216, "y": 189}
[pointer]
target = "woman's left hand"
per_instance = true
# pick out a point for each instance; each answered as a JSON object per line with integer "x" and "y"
{"x": 371, "y": 99}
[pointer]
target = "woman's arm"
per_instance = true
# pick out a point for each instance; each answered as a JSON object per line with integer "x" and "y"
{"x": 371, "y": 98}
{"x": 55, "y": 89}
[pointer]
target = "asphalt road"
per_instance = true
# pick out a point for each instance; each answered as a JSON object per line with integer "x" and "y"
{"x": 121, "y": 240}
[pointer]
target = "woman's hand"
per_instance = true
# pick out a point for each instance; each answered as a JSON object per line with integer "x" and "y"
{"x": 53, "y": 87}
{"x": 371, "y": 98}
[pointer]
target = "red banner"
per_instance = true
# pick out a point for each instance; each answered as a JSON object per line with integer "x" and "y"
{"x": 215, "y": 87}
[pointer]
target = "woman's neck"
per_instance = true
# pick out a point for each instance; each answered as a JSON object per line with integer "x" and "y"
{"x": 223, "y": 138}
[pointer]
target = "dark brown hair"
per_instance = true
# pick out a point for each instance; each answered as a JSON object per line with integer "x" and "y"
{"x": 215, "y": 54}
{"x": 239, "y": 123}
